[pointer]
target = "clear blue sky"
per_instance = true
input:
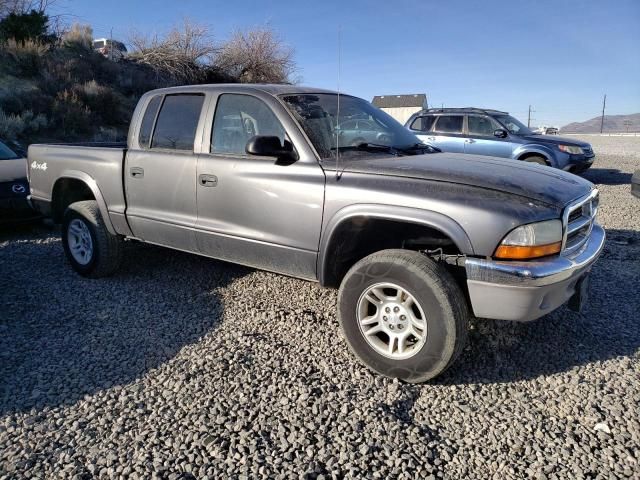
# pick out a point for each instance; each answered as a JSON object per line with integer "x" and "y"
{"x": 559, "y": 56}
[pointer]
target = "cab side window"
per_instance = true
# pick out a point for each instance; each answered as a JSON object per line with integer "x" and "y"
{"x": 481, "y": 126}
{"x": 177, "y": 122}
{"x": 144, "y": 136}
{"x": 422, "y": 124}
{"x": 237, "y": 119}
{"x": 449, "y": 124}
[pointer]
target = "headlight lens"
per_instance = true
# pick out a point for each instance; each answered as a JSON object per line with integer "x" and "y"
{"x": 531, "y": 241}
{"x": 571, "y": 149}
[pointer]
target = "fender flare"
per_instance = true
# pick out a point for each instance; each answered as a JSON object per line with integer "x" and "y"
{"x": 89, "y": 181}
{"x": 427, "y": 218}
{"x": 543, "y": 150}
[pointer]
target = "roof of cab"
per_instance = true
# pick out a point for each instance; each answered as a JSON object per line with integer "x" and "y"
{"x": 273, "y": 89}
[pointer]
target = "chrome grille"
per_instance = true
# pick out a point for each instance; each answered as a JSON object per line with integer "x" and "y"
{"x": 578, "y": 219}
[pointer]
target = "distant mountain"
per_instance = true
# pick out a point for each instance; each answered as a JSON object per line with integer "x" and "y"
{"x": 612, "y": 123}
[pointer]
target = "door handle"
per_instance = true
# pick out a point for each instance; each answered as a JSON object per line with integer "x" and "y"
{"x": 207, "y": 180}
{"x": 431, "y": 138}
{"x": 137, "y": 172}
{"x": 470, "y": 140}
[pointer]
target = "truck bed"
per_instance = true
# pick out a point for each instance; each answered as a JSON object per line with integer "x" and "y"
{"x": 99, "y": 165}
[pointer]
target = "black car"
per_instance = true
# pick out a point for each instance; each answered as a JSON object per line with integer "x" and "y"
{"x": 14, "y": 187}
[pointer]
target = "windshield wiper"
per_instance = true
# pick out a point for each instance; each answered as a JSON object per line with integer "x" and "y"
{"x": 371, "y": 147}
{"x": 419, "y": 146}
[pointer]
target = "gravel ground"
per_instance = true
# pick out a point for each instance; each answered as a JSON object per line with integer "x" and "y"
{"x": 185, "y": 367}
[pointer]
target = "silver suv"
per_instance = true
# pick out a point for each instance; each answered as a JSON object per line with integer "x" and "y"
{"x": 479, "y": 131}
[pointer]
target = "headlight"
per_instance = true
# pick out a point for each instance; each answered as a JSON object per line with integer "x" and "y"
{"x": 571, "y": 149}
{"x": 531, "y": 241}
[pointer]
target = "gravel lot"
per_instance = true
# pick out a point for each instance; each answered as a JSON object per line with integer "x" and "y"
{"x": 185, "y": 367}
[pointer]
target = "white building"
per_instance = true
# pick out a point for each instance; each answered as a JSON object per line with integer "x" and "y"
{"x": 401, "y": 107}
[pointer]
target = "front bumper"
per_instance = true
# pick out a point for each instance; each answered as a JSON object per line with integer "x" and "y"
{"x": 16, "y": 209}
{"x": 635, "y": 184}
{"x": 524, "y": 291}
{"x": 579, "y": 163}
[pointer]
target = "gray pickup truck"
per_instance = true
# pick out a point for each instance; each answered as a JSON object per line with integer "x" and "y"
{"x": 262, "y": 175}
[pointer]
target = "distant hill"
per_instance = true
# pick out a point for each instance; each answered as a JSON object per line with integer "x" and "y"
{"x": 612, "y": 123}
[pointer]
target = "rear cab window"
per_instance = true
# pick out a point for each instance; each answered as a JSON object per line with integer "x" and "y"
{"x": 422, "y": 124}
{"x": 449, "y": 124}
{"x": 175, "y": 128}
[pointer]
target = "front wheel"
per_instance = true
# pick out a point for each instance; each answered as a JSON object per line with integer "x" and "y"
{"x": 91, "y": 249}
{"x": 537, "y": 159}
{"x": 403, "y": 315}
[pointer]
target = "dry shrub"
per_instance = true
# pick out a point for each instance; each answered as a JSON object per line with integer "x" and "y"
{"x": 257, "y": 56}
{"x": 103, "y": 102}
{"x": 27, "y": 56}
{"x": 70, "y": 115}
{"x": 180, "y": 55}
{"x": 14, "y": 126}
{"x": 78, "y": 36}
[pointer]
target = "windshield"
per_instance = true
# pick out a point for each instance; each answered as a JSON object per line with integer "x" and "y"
{"x": 360, "y": 125}
{"x": 6, "y": 153}
{"x": 513, "y": 125}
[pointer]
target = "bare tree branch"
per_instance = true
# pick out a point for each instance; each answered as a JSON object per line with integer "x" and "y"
{"x": 257, "y": 56}
{"x": 24, "y": 6}
{"x": 181, "y": 54}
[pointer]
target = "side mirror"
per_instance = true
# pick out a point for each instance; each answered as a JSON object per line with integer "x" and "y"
{"x": 270, "y": 146}
{"x": 500, "y": 133}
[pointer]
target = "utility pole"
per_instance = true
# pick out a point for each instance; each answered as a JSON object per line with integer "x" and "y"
{"x": 529, "y": 117}
{"x": 111, "y": 45}
{"x": 604, "y": 103}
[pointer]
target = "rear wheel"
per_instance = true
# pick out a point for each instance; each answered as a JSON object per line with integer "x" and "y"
{"x": 91, "y": 249}
{"x": 403, "y": 315}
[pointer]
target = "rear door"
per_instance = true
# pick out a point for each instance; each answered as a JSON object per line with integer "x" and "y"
{"x": 480, "y": 139}
{"x": 255, "y": 210}
{"x": 160, "y": 174}
{"x": 447, "y": 133}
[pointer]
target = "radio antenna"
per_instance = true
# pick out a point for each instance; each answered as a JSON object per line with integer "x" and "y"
{"x": 337, "y": 128}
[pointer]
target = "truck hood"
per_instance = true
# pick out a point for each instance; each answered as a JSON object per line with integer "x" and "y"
{"x": 536, "y": 182}
{"x": 554, "y": 140}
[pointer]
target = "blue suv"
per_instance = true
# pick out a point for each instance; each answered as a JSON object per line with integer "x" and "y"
{"x": 491, "y": 132}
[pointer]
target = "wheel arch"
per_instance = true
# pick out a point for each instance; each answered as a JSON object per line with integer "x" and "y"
{"x": 338, "y": 235}
{"x": 74, "y": 186}
{"x": 526, "y": 151}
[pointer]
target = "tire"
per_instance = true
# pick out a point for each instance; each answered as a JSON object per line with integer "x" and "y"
{"x": 435, "y": 296}
{"x": 537, "y": 159}
{"x": 83, "y": 230}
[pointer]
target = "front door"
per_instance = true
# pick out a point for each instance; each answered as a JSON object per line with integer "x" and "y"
{"x": 160, "y": 175}
{"x": 481, "y": 140}
{"x": 255, "y": 210}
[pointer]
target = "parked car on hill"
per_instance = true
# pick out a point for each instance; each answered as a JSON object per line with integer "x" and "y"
{"x": 111, "y": 49}
{"x": 491, "y": 132}
{"x": 14, "y": 187}
{"x": 415, "y": 239}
